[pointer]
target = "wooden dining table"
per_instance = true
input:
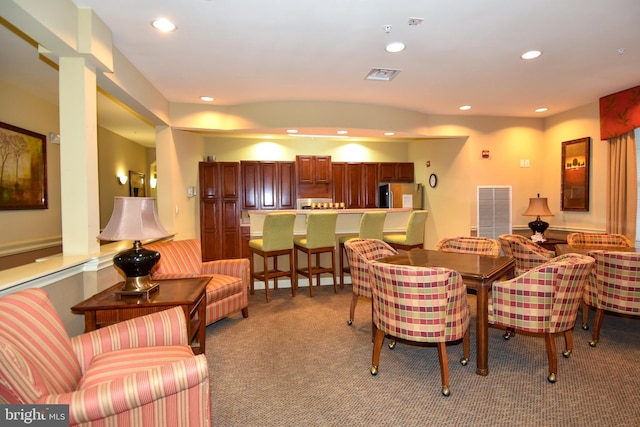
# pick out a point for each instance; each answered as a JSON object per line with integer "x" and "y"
{"x": 478, "y": 273}
{"x": 585, "y": 249}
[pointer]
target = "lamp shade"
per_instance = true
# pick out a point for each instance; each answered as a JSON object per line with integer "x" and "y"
{"x": 538, "y": 207}
{"x": 133, "y": 218}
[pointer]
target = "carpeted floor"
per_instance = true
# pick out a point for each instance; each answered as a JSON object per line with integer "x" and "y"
{"x": 296, "y": 362}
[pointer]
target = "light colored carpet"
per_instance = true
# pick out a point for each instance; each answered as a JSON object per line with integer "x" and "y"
{"x": 296, "y": 362}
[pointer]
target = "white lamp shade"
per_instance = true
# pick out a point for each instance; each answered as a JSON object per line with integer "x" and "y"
{"x": 133, "y": 218}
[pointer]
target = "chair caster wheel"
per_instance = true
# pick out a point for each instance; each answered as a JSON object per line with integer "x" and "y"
{"x": 392, "y": 345}
{"x": 567, "y": 353}
{"x": 507, "y": 335}
{"x": 445, "y": 391}
{"x": 464, "y": 361}
{"x": 585, "y": 327}
{"x": 593, "y": 343}
{"x": 552, "y": 378}
{"x": 350, "y": 322}
{"x": 374, "y": 370}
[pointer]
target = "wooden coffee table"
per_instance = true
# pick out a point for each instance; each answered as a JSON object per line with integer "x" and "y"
{"x": 106, "y": 307}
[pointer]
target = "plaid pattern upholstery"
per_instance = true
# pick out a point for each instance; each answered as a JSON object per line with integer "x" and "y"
{"x": 526, "y": 253}
{"x": 40, "y": 364}
{"x": 359, "y": 252}
{"x": 418, "y": 303}
{"x": 599, "y": 239}
{"x": 228, "y": 289}
{"x": 614, "y": 283}
{"x": 544, "y": 299}
{"x": 471, "y": 245}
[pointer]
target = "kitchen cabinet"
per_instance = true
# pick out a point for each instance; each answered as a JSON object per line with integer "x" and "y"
{"x": 313, "y": 176}
{"x": 268, "y": 185}
{"x": 396, "y": 172}
{"x": 339, "y": 179}
{"x": 220, "y": 210}
{"x": 355, "y": 184}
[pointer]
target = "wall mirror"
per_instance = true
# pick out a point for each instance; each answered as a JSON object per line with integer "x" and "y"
{"x": 136, "y": 184}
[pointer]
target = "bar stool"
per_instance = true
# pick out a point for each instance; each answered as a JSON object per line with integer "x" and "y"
{"x": 371, "y": 227}
{"x": 414, "y": 236}
{"x": 277, "y": 239}
{"x": 320, "y": 238}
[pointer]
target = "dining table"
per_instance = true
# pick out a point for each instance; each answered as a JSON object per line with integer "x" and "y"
{"x": 478, "y": 273}
{"x": 585, "y": 249}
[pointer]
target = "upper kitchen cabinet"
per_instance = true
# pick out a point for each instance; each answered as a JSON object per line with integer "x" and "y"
{"x": 314, "y": 176}
{"x": 395, "y": 172}
{"x": 355, "y": 184}
{"x": 268, "y": 185}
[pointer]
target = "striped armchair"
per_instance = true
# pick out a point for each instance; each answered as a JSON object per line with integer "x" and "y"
{"x": 543, "y": 300}
{"x": 228, "y": 289}
{"x": 419, "y": 304}
{"x": 526, "y": 253}
{"x": 139, "y": 372}
{"x": 614, "y": 286}
{"x": 470, "y": 245}
{"x": 598, "y": 239}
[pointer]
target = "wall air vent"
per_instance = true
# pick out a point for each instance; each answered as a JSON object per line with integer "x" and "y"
{"x": 384, "y": 74}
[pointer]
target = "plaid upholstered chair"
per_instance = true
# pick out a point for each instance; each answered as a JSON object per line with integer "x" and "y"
{"x": 598, "y": 239}
{"x": 614, "y": 286}
{"x": 543, "y": 300}
{"x": 470, "y": 245}
{"x": 526, "y": 253}
{"x": 228, "y": 289}
{"x": 140, "y": 372}
{"x": 359, "y": 252}
{"x": 371, "y": 227}
{"x": 419, "y": 304}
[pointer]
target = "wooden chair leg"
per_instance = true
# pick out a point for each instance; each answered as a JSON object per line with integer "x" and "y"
{"x": 466, "y": 347}
{"x": 352, "y": 308}
{"x": 265, "y": 260}
{"x": 310, "y": 266}
{"x": 251, "y": 273}
{"x": 333, "y": 270}
{"x": 552, "y": 356}
{"x": 568, "y": 343}
{"x": 585, "y": 315}
{"x": 597, "y": 324}
{"x": 317, "y": 264}
{"x": 294, "y": 283}
{"x": 377, "y": 347}
{"x": 444, "y": 368}
{"x": 275, "y": 268}
{"x": 342, "y": 250}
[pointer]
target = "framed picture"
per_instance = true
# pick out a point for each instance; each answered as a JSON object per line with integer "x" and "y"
{"x": 136, "y": 184}
{"x": 23, "y": 169}
{"x": 575, "y": 175}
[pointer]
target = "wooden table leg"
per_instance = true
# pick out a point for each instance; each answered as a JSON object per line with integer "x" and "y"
{"x": 202, "y": 327}
{"x": 482, "y": 330}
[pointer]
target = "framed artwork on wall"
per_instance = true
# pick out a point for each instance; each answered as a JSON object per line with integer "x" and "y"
{"x": 23, "y": 169}
{"x": 575, "y": 175}
{"x": 136, "y": 184}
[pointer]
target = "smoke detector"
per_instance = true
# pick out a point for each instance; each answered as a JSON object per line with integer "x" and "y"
{"x": 384, "y": 74}
{"x": 415, "y": 21}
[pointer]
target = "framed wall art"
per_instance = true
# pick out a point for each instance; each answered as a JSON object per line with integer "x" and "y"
{"x": 575, "y": 175}
{"x": 23, "y": 169}
{"x": 136, "y": 184}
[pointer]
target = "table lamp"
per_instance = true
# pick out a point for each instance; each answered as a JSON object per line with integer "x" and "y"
{"x": 538, "y": 207}
{"x": 135, "y": 218}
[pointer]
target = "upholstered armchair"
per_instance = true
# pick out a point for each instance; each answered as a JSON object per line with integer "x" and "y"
{"x": 544, "y": 300}
{"x": 599, "y": 239}
{"x": 526, "y": 253}
{"x": 470, "y": 245}
{"x": 419, "y": 304}
{"x": 140, "y": 372}
{"x": 614, "y": 286}
{"x": 228, "y": 289}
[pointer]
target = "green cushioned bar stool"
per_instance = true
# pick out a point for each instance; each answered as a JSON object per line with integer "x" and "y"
{"x": 277, "y": 240}
{"x": 414, "y": 237}
{"x": 320, "y": 238}
{"x": 371, "y": 227}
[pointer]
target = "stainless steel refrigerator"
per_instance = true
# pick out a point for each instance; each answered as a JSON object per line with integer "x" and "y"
{"x": 392, "y": 195}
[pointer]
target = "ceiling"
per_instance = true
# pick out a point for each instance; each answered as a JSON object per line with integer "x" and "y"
{"x": 465, "y": 52}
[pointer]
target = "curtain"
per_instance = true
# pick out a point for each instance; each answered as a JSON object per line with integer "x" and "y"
{"x": 622, "y": 185}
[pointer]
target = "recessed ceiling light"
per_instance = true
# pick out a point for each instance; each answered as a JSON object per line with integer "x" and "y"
{"x": 342, "y": 132}
{"x": 292, "y": 130}
{"x": 541, "y": 109}
{"x": 532, "y": 54}
{"x": 163, "y": 25}
{"x": 464, "y": 107}
{"x": 389, "y": 133}
{"x": 206, "y": 98}
{"x": 394, "y": 47}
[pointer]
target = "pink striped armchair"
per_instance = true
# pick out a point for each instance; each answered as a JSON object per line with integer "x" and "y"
{"x": 228, "y": 289}
{"x": 140, "y": 372}
{"x": 471, "y": 245}
{"x": 543, "y": 300}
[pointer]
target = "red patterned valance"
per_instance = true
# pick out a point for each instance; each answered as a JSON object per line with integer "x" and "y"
{"x": 619, "y": 113}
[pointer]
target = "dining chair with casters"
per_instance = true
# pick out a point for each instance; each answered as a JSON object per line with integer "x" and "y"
{"x": 544, "y": 300}
{"x": 371, "y": 227}
{"x": 276, "y": 241}
{"x": 599, "y": 239}
{"x": 359, "y": 253}
{"x": 419, "y": 304}
{"x": 614, "y": 286}
{"x": 414, "y": 235}
{"x": 470, "y": 245}
{"x": 526, "y": 253}
{"x": 320, "y": 238}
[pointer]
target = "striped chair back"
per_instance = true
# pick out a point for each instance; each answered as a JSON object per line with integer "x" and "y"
{"x": 527, "y": 254}
{"x": 614, "y": 284}
{"x": 470, "y": 245}
{"x": 178, "y": 258}
{"x": 359, "y": 253}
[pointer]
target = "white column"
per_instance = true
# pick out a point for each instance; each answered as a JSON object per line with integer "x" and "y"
{"x": 78, "y": 156}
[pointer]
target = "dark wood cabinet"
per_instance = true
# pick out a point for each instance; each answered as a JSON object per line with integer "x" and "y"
{"x": 396, "y": 172}
{"x": 268, "y": 185}
{"x": 355, "y": 184}
{"x": 219, "y": 210}
{"x": 313, "y": 176}
{"x": 339, "y": 179}
{"x": 369, "y": 185}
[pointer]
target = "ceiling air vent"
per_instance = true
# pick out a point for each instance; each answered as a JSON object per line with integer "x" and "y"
{"x": 384, "y": 74}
